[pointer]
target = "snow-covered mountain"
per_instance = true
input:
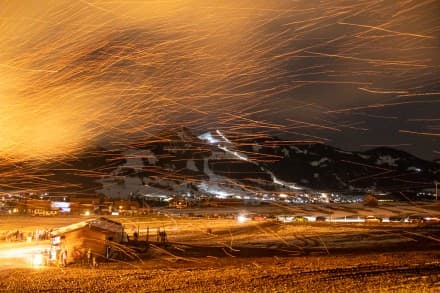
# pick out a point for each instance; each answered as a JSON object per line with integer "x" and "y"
{"x": 176, "y": 162}
{"x": 216, "y": 163}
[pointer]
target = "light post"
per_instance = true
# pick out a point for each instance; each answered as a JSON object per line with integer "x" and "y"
{"x": 436, "y": 189}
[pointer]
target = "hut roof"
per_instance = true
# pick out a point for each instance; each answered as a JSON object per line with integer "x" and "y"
{"x": 101, "y": 223}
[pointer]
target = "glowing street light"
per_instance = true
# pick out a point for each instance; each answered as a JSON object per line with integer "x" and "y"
{"x": 242, "y": 218}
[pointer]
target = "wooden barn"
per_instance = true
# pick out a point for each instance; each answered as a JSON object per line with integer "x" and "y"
{"x": 81, "y": 241}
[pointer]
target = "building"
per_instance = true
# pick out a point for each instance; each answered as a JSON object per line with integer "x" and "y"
{"x": 179, "y": 203}
{"x": 81, "y": 241}
{"x": 126, "y": 207}
{"x": 36, "y": 207}
{"x": 84, "y": 206}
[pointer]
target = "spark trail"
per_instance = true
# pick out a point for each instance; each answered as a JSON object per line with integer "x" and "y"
{"x": 80, "y": 74}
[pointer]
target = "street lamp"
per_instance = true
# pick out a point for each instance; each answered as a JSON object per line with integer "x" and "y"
{"x": 436, "y": 189}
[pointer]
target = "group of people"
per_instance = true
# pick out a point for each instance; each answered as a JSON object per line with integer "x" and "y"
{"x": 162, "y": 236}
{"x": 79, "y": 257}
{"x": 38, "y": 234}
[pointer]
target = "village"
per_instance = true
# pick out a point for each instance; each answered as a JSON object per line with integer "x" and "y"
{"x": 53, "y": 205}
{"x": 45, "y": 204}
{"x": 42, "y": 205}
{"x": 93, "y": 232}
{"x": 98, "y": 248}
{"x": 88, "y": 231}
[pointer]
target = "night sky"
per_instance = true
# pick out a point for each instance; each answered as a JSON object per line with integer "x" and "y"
{"x": 352, "y": 74}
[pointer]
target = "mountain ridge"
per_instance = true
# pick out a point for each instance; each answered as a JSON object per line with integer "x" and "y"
{"x": 176, "y": 161}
